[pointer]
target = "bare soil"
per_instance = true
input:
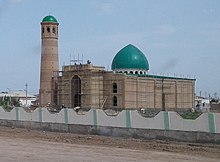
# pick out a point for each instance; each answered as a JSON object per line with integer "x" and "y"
{"x": 24, "y": 145}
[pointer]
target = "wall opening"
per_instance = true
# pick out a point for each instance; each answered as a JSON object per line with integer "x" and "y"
{"x": 114, "y": 88}
{"x": 115, "y": 101}
{"x": 76, "y": 91}
{"x": 48, "y": 29}
{"x": 54, "y": 30}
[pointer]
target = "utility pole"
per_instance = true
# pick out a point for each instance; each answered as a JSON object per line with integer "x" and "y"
{"x": 26, "y": 92}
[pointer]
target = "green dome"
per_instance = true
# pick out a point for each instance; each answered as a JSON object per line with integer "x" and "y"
{"x": 49, "y": 19}
{"x": 130, "y": 57}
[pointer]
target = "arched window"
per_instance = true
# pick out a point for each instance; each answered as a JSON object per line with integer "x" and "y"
{"x": 114, "y": 88}
{"x": 76, "y": 91}
{"x": 141, "y": 72}
{"x": 48, "y": 29}
{"x": 115, "y": 101}
{"x": 77, "y": 100}
{"x": 125, "y": 72}
{"x": 42, "y": 29}
{"x": 131, "y": 72}
{"x": 54, "y": 30}
{"x": 136, "y": 72}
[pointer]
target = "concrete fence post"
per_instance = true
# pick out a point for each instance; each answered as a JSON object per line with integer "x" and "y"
{"x": 166, "y": 120}
{"x": 17, "y": 113}
{"x": 66, "y": 116}
{"x": 40, "y": 113}
{"x": 128, "y": 119}
{"x": 211, "y": 120}
{"x": 94, "y": 117}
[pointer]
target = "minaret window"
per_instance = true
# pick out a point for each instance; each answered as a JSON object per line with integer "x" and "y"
{"x": 114, "y": 88}
{"x": 48, "y": 29}
{"x": 115, "y": 101}
{"x": 54, "y": 30}
{"x": 42, "y": 29}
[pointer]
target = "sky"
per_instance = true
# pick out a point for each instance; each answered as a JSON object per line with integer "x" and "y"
{"x": 179, "y": 37}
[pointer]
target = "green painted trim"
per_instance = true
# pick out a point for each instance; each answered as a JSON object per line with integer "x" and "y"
{"x": 128, "y": 119}
{"x": 66, "y": 116}
{"x": 40, "y": 114}
{"x": 94, "y": 118}
{"x": 166, "y": 120}
{"x": 160, "y": 77}
{"x": 17, "y": 113}
{"x": 211, "y": 122}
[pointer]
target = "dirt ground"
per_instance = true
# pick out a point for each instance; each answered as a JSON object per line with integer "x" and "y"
{"x": 31, "y": 145}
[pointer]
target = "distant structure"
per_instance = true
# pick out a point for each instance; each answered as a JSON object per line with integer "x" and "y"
{"x": 26, "y": 100}
{"x": 202, "y": 103}
{"x": 128, "y": 86}
{"x": 49, "y": 58}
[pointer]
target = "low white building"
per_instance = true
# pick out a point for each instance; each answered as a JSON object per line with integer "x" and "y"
{"x": 202, "y": 103}
{"x": 25, "y": 99}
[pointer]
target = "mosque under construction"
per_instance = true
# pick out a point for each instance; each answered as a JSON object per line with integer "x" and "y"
{"x": 127, "y": 86}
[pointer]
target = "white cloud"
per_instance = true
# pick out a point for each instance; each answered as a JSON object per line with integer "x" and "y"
{"x": 160, "y": 45}
{"x": 208, "y": 11}
{"x": 106, "y": 8}
{"x": 15, "y": 1}
{"x": 5, "y": 4}
{"x": 210, "y": 30}
{"x": 164, "y": 30}
{"x": 216, "y": 27}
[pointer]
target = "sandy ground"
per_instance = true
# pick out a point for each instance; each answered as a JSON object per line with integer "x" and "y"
{"x": 30, "y": 145}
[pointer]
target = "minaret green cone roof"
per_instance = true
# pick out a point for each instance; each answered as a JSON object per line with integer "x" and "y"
{"x": 49, "y": 19}
{"x": 130, "y": 57}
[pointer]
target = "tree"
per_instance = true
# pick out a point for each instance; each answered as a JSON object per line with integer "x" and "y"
{"x": 9, "y": 102}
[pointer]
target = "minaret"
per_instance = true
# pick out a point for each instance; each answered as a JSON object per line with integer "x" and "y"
{"x": 49, "y": 58}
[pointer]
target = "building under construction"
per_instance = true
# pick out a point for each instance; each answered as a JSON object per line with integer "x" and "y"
{"x": 127, "y": 86}
{"x": 89, "y": 86}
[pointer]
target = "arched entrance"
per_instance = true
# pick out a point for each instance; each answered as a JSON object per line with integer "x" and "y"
{"x": 76, "y": 91}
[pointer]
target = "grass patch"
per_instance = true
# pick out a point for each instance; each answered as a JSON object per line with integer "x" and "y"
{"x": 149, "y": 113}
{"x": 189, "y": 115}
